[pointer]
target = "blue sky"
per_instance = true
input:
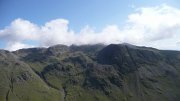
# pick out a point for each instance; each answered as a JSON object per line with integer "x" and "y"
{"x": 96, "y": 14}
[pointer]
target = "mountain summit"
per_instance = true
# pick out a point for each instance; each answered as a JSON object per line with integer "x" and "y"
{"x": 117, "y": 72}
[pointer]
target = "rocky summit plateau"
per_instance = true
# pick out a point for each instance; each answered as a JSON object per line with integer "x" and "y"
{"x": 115, "y": 72}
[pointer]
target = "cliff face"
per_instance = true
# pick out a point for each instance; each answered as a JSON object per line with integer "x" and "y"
{"x": 117, "y": 72}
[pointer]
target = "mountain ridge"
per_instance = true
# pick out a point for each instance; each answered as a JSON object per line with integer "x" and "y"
{"x": 116, "y": 72}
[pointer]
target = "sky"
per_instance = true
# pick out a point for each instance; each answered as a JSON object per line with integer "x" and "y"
{"x": 43, "y": 23}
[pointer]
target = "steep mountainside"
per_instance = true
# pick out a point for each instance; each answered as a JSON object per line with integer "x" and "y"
{"x": 117, "y": 72}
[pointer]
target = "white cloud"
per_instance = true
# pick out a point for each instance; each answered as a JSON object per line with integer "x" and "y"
{"x": 17, "y": 45}
{"x": 157, "y": 27}
{"x": 56, "y": 32}
{"x": 19, "y": 30}
{"x": 156, "y": 23}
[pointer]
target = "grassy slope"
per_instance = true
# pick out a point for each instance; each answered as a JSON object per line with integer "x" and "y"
{"x": 20, "y": 83}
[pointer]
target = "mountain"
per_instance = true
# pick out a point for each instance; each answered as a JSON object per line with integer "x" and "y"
{"x": 117, "y": 72}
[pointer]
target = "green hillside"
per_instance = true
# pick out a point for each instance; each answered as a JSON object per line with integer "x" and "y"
{"x": 117, "y": 72}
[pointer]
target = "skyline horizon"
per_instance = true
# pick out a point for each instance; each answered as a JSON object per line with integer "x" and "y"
{"x": 142, "y": 23}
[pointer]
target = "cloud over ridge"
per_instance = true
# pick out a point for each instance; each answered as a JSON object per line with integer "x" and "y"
{"x": 157, "y": 26}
